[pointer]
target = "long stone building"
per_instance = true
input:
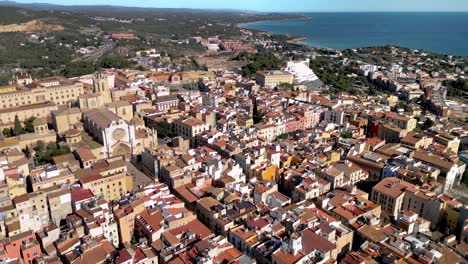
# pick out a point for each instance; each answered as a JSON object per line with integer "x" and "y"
{"x": 26, "y": 91}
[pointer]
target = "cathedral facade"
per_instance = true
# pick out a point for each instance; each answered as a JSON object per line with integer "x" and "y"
{"x": 119, "y": 137}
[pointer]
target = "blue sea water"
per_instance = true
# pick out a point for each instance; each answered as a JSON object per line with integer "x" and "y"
{"x": 445, "y": 33}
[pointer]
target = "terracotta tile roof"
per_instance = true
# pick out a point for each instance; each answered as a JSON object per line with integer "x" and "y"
{"x": 286, "y": 258}
{"x": 124, "y": 256}
{"x": 373, "y": 234}
{"x": 90, "y": 178}
{"x": 194, "y": 226}
{"x": 392, "y": 187}
{"x": 312, "y": 242}
{"x": 227, "y": 256}
{"x": 85, "y": 154}
{"x": 185, "y": 193}
{"x": 430, "y": 158}
{"x": 80, "y": 194}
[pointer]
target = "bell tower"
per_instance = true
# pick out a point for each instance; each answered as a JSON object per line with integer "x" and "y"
{"x": 101, "y": 86}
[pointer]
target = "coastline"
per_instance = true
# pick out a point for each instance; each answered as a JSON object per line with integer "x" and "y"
{"x": 298, "y": 40}
{"x": 303, "y": 40}
{"x": 292, "y": 39}
{"x": 242, "y": 25}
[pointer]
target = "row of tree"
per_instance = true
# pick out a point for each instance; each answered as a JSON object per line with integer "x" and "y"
{"x": 18, "y": 128}
{"x": 45, "y": 153}
{"x": 457, "y": 88}
{"x": 79, "y": 68}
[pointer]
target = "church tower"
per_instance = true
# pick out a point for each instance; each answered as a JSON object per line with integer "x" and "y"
{"x": 101, "y": 85}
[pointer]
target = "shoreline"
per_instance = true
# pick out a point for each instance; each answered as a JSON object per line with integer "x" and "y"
{"x": 242, "y": 25}
{"x": 292, "y": 39}
{"x": 301, "y": 40}
{"x": 298, "y": 40}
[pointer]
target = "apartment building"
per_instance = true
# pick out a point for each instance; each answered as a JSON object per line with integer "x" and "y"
{"x": 390, "y": 193}
{"x": 110, "y": 187}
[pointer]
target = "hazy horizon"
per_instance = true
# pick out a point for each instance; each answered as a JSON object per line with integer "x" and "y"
{"x": 303, "y": 6}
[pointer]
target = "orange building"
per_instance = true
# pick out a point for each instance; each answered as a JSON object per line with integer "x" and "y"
{"x": 22, "y": 246}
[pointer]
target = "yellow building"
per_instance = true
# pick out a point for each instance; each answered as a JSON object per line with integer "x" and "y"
{"x": 334, "y": 157}
{"x": 291, "y": 160}
{"x": 196, "y": 75}
{"x": 9, "y": 143}
{"x": 391, "y": 133}
{"x": 109, "y": 187}
{"x": 190, "y": 127}
{"x": 63, "y": 120}
{"x": 451, "y": 211}
{"x": 7, "y": 89}
{"x": 16, "y": 185}
{"x": 452, "y": 143}
{"x": 245, "y": 121}
{"x": 123, "y": 109}
{"x": 324, "y": 135}
{"x": 402, "y": 122}
{"x": 269, "y": 174}
{"x": 125, "y": 218}
{"x": 451, "y": 216}
{"x": 391, "y": 100}
{"x": 272, "y": 79}
{"x": 56, "y": 89}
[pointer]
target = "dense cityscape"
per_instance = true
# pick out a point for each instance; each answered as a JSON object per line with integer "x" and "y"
{"x": 235, "y": 146}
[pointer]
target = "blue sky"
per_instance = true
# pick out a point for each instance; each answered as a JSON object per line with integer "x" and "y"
{"x": 284, "y": 5}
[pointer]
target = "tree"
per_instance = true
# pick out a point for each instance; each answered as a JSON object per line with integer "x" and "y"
{"x": 346, "y": 134}
{"x": 7, "y": 132}
{"x": 428, "y": 124}
{"x": 261, "y": 61}
{"x": 165, "y": 129}
{"x": 114, "y": 62}
{"x": 286, "y": 86}
{"x": 45, "y": 154}
{"x": 257, "y": 112}
{"x": 40, "y": 145}
{"x": 28, "y": 125}
{"x": 78, "y": 68}
{"x": 258, "y": 116}
{"x": 18, "y": 129}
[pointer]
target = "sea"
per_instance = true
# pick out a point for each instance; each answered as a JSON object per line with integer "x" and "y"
{"x": 445, "y": 33}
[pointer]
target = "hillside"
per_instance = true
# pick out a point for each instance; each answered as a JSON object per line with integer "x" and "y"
{"x": 33, "y": 25}
{"x": 46, "y": 39}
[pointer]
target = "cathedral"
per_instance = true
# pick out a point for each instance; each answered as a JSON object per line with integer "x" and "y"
{"x": 118, "y": 136}
{"x": 100, "y": 96}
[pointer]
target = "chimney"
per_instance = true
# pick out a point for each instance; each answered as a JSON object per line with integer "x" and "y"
{"x": 348, "y": 163}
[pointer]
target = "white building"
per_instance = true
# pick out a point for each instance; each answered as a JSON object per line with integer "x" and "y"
{"x": 102, "y": 222}
{"x": 367, "y": 69}
{"x": 301, "y": 71}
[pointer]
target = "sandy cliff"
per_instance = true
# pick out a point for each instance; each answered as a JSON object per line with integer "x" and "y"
{"x": 33, "y": 25}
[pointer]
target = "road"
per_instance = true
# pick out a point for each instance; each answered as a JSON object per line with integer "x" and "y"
{"x": 94, "y": 56}
{"x": 139, "y": 178}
